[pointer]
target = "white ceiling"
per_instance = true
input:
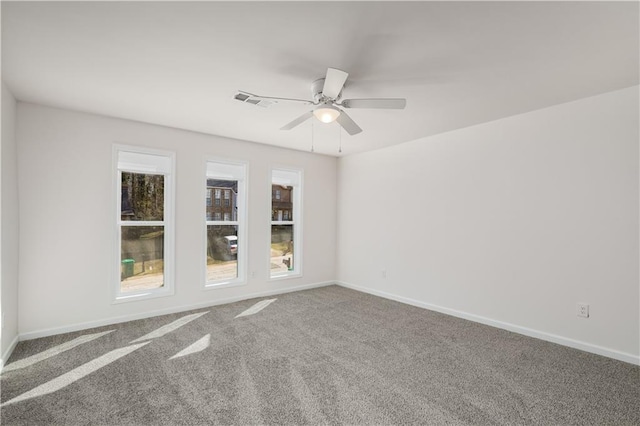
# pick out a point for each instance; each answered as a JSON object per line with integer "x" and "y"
{"x": 179, "y": 64}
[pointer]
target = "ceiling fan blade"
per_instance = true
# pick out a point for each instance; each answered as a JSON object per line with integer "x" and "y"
{"x": 348, "y": 124}
{"x": 304, "y": 117}
{"x": 265, "y": 101}
{"x": 334, "y": 82}
{"x": 389, "y": 103}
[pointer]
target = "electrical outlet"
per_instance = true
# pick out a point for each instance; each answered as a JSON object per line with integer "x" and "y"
{"x": 384, "y": 273}
{"x": 253, "y": 274}
{"x": 583, "y": 310}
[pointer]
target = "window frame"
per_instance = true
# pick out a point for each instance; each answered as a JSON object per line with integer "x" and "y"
{"x": 241, "y": 221}
{"x": 295, "y": 220}
{"x": 168, "y": 222}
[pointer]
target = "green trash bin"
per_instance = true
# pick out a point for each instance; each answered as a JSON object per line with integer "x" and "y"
{"x": 127, "y": 268}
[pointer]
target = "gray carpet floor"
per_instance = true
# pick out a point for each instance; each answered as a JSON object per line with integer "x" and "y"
{"x": 324, "y": 356}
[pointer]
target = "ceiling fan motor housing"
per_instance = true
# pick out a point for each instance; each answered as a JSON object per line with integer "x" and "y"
{"x": 316, "y": 92}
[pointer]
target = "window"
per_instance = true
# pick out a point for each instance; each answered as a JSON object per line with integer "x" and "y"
{"x": 144, "y": 223}
{"x": 286, "y": 227}
{"x": 208, "y": 197}
{"x": 225, "y": 247}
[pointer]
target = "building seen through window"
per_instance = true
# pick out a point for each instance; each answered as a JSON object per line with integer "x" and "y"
{"x": 228, "y": 210}
{"x": 281, "y": 203}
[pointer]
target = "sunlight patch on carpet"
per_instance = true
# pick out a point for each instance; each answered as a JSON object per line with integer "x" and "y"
{"x": 51, "y": 352}
{"x": 169, "y": 327}
{"x": 256, "y": 308}
{"x": 76, "y": 374}
{"x": 196, "y": 347}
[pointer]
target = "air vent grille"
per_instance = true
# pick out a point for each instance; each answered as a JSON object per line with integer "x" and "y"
{"x": 248, "y": 98}
{"x": 242, "y": 97}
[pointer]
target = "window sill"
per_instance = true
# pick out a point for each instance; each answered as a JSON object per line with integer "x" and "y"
{"x": 125, "y": 298}
{"x": 224, "y": 284}
{"x": 285, "y": 276}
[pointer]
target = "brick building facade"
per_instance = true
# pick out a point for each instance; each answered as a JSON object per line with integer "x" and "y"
{"x": 281, "y": 203}
{"x": 222, "y": 196}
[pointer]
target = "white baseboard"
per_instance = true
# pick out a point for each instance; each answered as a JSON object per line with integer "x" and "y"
{"x": 565, "y": 341}
{"x": 116, "y": 320}
{"x": 8, "y": 352}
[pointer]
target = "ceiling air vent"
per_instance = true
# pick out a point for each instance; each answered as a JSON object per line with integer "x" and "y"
{"x": 241, "y": 97}
{"x": 253, "y": 99}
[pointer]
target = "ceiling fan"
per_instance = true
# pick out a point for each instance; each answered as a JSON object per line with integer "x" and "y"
{"x": 327, "y": 99}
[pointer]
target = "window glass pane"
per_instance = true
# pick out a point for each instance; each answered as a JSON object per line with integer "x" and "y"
{"x": 281, "y": 202}
{"x": 142, "y": 196}
{"x": 281, "y": 249}
{"x": 222, "y": 252}
{"x": 227, "y": 210}
{"x": 141, "y": 258}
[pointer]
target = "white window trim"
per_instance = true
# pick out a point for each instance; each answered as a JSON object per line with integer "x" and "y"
{"x": 297, "y": 222}
{"x": 168, "y": 288}
{"x": 242, "y": 223}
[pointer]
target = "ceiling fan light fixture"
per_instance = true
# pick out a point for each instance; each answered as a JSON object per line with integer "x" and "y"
{"x": 326, "y": 113}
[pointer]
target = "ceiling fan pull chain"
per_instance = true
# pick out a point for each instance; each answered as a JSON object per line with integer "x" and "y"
{"x": 311, "y": 135}
{"x": 340, "y": 139}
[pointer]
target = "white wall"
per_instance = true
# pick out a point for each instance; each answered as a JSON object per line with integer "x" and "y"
{"x": 9, "y": 226}
{"x": 511, "y": 222}
{"x": 66, "y": 216}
